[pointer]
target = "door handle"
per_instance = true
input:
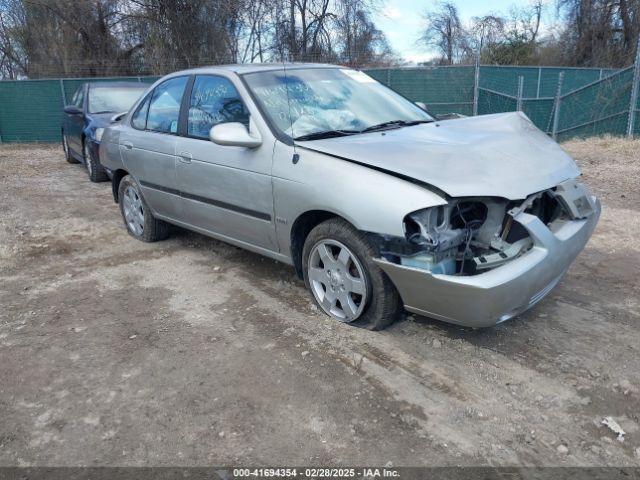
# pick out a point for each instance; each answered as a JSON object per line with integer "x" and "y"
{"x": 185, "y": 157}
{"x": 127, "y": 145}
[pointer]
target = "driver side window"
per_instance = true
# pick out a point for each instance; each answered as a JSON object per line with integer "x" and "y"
{"x": 214, "y": 100}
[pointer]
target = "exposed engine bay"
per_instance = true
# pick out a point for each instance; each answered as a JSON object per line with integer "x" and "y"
{"x": 469, "y": 236}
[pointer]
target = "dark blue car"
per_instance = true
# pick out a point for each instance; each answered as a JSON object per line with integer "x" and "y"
{"x": 91, "y": 109}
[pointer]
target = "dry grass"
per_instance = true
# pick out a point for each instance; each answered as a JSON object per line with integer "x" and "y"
{"x": 25, "y": 159}
{"x": 611, "y": 167}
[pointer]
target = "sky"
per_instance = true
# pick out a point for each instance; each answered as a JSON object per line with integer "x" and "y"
{"x": 402, "y": 20}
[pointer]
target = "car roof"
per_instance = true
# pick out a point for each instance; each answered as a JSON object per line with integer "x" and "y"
{"x": 118, "y": 84}
{"x": 243, "y": 68}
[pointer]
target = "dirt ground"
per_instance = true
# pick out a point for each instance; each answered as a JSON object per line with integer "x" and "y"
{"x": 194, "y": 352}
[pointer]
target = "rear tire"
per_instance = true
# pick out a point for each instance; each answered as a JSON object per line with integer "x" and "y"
{"x": 65, "y": 147}
{"x": 138, "y": 219}
{"x": 328, "y": 278}
{"x": 94, "y": 168}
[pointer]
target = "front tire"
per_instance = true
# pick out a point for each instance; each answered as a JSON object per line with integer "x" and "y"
{"x": 94, "y": 168}
{"x": 345, "y": 282}
{"x": 138, "y": 219}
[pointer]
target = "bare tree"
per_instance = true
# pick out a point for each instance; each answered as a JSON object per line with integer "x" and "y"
{"x": 600, "y": 32}
{"x": 445, "y": 31}
{"x": 359, "y": 41}
{"x": 487, "y": 30}
{"x": 13, "y": 58}
{"x": 120, "y": 37}
{"x": 514, "y": 40}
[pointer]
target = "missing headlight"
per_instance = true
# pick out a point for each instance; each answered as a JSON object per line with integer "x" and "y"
{"x": 444, "y": 235}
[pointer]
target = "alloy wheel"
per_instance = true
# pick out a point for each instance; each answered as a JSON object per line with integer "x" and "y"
{"x": 133, "y": 211}
{"x": 337, "y": 280}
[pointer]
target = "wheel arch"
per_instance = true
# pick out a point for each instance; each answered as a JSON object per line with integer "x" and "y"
{"x": 118, "y": 175}
{"x": 300, "y": 229}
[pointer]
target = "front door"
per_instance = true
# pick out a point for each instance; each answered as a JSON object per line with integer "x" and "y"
{"x": 225, "y": 190}
{"x": 148, "y": 147}
{"x": 75, "y": 122}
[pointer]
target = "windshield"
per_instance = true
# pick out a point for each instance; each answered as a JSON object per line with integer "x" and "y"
{"x": 113, "y": 99}
{"x": 304, "y": 102}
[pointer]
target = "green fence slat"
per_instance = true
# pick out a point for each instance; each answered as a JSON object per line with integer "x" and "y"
{"x": 31, "y": 110}
{"x": 442, "y": 89}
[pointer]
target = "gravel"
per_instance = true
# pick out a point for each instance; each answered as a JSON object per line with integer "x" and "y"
{"x": 116, "y": 352}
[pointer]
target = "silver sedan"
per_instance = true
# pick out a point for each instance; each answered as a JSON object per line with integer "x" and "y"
{"x": 378, "y": 205}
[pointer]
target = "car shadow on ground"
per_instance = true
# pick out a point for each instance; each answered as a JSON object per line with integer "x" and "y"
{"x": 265, "y": 271}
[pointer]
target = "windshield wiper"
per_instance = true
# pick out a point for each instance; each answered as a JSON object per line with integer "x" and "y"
{"x": 102, "y": 111}
{"x": 326, "y": 134}
{"x": 373, "y": 128}
{"x": 394, "y": 123}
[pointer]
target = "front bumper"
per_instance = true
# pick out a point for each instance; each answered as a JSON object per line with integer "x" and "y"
{"x": 489, "y": 298}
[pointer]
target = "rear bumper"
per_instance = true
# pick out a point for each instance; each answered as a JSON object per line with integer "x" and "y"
{"x": 495, "y": 296}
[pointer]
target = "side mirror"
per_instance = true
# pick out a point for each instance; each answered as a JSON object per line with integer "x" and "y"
{"x": 72, "y": 110}
{"x": 234, "y": 135}
{"x": 117, "y": 117}
{"x": 422, "y": 105}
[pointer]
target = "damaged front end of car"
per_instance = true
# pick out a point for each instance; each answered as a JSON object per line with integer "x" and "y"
{"x": 475, "y": 243}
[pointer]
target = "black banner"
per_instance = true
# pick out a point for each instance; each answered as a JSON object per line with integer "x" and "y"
{"x": 323, "y": 473}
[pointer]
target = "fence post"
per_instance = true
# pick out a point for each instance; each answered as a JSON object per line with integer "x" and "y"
{"x": 556, "y": 107}
{"x": 633, "y": 103}
{"x": 539, "y": 78}
{"x": 476, "y": 85}
{"x": 64, "y": 95}
{"x": 520, "y": 92}
{"x": 388, "y": 77}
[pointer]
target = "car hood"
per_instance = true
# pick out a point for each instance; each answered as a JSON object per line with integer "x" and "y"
{"x": 501, "y": 155}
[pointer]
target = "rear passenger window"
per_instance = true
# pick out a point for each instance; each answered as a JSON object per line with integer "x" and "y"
{"x": 139, "y": 119}
{"x": 164, "y": 108}
{"x": 214, "y": 100}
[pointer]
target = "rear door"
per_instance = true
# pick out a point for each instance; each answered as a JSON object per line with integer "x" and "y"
{"x": 148, "y": 147}
{"x": 226, "y": 190}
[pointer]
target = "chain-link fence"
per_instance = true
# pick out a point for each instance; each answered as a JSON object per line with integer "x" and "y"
{"x": 564, "y": 102}
{"x": 596, "y": 107}
{"x": 612, "y": 100}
